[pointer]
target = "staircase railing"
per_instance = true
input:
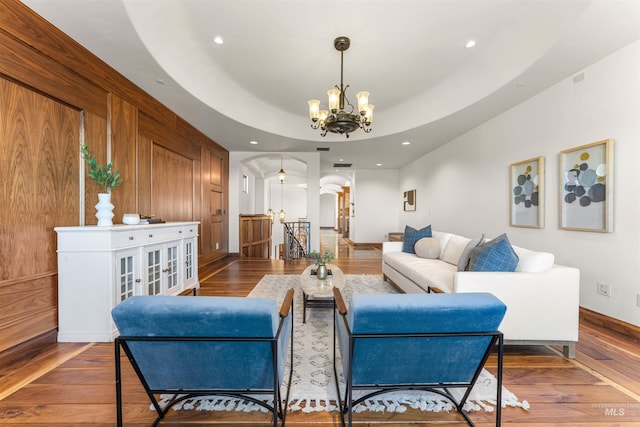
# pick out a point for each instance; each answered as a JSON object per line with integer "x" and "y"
{"x": 296, "y": 239}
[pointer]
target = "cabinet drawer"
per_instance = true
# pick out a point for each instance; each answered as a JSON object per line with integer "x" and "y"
{"x": 189, "y": 231}
{"x": 152, "y": 234}
{"x": 162, "y": 234}
{"x": 129, "y": 238}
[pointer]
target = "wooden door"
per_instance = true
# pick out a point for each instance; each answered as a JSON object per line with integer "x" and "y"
{"x": 172, "y": 185}
{"x": 215, "y": 217}
{"x": 39, "y": 190}
{"x": 340, "y": 212}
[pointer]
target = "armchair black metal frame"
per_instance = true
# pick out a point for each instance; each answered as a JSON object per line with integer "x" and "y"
{"x": 278, "y": 408}
{"x": 440, "y": 388}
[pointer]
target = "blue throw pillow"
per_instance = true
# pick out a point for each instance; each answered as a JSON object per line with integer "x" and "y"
{"x": 411, "y": 236}
{"x": 495, "y": 255}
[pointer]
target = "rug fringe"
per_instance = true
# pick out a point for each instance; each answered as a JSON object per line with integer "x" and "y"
{"x": 396, "y": 404}
{"x": 307, "y": 405}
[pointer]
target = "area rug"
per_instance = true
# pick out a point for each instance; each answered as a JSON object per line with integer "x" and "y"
{"x": 313, "y": 384}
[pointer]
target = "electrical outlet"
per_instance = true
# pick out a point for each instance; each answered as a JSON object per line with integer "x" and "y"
{"x": 604, "y": 289}
{"x": 638, "y": 300}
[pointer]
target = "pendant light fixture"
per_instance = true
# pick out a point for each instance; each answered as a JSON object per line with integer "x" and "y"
{"x": 270, "y": 212}
{"x": 281, "y": 175}
{"x": 337, "y": 119}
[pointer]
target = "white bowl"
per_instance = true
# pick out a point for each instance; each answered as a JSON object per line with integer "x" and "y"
{"x": 131, "y": 219}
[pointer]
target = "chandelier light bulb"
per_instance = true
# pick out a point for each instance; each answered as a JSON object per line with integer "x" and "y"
{"x": 334, "y": 100}
{"x": 314, "y": 109}
{"x": 363, "y": 102}
{"x": 323, "y": 117}
{"x": 368, "y": 115}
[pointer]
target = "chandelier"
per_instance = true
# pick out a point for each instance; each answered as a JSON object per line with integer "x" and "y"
{"x": 336, "y": 119}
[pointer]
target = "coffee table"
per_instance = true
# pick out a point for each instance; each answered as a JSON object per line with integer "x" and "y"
{"x": 319, "y": 293}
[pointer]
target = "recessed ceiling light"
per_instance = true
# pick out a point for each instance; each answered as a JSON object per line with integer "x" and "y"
{"x": 378, "y": 164}
{"x": 160, "y": 81}
{"x": 406, "y": 143}
{"x": 470, "y": 44}
{"x": 253, "y": 142}
{"x": 218, "y": 40}
{"x": 342, "y": 160}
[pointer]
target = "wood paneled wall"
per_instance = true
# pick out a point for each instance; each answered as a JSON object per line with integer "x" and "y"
{"x": 54, "y": 95}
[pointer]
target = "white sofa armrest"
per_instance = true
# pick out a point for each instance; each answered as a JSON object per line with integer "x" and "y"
{"x": 541, "y": 306}
{"x": 392, "y": 247}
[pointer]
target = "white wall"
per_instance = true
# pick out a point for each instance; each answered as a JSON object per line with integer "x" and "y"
{"x": 246, "y": 201}
{"x": 328, "y": 210}
{"x": 376, "y": 200}
{"x": 259, "y": 196}
{"x": 463, "y": 187}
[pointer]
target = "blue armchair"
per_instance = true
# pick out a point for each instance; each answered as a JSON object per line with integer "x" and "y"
{"x": 197, "y": 346}
{"x": 429, "y": 342}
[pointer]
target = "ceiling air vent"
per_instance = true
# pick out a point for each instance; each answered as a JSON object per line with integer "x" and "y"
{"x": 342, "y": 165}
{"x": 323, "y": 148}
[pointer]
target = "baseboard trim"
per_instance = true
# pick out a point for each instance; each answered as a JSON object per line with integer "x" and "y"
{"x": 616, "y": 325}
{"x": 28, "y": 348}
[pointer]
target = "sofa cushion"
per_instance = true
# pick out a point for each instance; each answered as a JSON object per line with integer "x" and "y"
{"x": 422, "y": 271}
{"x": 443, "y": 238}
{"x": 428, "y": 247}
{"x": 411, "y": 236}
{"x": 532, "y": 261}
{"x": 454, "y": 249}
{"x": 494, "y": 255}
{"x": 463, "y": 261}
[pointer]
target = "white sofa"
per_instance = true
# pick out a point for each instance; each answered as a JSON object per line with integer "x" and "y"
{"x": 542, "y": 298}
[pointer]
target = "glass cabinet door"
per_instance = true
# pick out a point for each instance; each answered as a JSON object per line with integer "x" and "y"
{"x": 172, "y": 271}
{"x": 163, "y": 268}
{"x": 188, "y": 261}
{"x": 127, "y": 277}
{"x": 154, "y": 271}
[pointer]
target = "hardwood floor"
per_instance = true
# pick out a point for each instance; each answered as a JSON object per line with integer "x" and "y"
{"x": 72, "y": 384}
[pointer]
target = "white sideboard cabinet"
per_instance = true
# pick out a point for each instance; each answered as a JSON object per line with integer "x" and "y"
{"x": 99, "y": 267}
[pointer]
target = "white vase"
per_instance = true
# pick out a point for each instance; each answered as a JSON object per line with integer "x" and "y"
{"x": 322, "y": 272}
{"x": 105, "y": 210}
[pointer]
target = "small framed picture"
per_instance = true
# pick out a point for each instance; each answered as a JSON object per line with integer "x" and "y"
{"x": 410, "y": 200}
{"x": 586, "y": 174}
{"x": 527, "y": 193}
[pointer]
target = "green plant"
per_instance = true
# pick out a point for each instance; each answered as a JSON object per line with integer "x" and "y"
{"x": 104, "y": 176}
{"x": 322, "y": 259}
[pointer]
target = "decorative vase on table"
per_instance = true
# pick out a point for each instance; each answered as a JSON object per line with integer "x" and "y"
{"x": 104, "y": 210}
{"x": 322, "y": 272}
